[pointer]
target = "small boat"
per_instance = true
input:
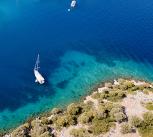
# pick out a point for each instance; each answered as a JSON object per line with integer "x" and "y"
{"x": 39, "y": 77}
{"x": 73, "y": 3}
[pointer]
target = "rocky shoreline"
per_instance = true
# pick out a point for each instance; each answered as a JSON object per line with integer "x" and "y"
{"x": 121, "y": 108}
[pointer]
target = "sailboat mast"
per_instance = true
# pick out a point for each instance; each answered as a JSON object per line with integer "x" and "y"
{"x": 37, "y": 63}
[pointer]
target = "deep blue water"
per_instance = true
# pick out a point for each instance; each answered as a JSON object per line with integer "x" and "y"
{"x": 97, "y": 41}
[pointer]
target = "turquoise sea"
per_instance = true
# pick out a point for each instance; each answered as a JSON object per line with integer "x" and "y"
{"x": 98, "y": 40}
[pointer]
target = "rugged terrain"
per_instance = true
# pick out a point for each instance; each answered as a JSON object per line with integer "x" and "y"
{"x": 122, "y": 108}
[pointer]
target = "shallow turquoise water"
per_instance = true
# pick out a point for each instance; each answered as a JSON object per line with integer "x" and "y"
{"x": 97, "y": 41}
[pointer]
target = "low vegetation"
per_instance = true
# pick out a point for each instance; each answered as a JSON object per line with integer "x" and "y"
{"x": 126, "y": 128}
{"x": 110, "y": 94}
{"x": 149, "y": 105}
{"x": 146, "y": 127}
{"x": 96, "y": 118}
{"x": 80, "y": 132}
{"x": 136, "y": 122}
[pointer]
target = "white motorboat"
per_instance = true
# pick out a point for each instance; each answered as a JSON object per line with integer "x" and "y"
{"x": 73, "y": 3}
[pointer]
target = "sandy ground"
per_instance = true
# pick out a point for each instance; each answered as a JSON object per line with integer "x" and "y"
{"x": 66, "y": 131}
{"x": 133, "y": 106}
{"x": 95, "y": 101}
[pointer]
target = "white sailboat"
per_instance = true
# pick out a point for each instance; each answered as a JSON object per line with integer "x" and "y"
{"x": 39, "y": 77}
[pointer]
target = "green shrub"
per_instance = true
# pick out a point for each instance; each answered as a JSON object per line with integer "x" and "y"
{"x": 108, "y": 110}
{"x": 104, "y": 95}
{"x": 38, "y": 130}
{"x": 100, "y": 100}
{"x": 144, "y": 86}
{"x": 117, "y": 108}
{"x": 86, "y": 117}
{"x": 87, "y": 107}
{"x": 33, "y": 123}
{"x": 129, "y": 84}
{"x": 121, "y": 94}
{"x": 146, "y": 133}
{"x": 102, "y": 112}
{"x": 54, "y": 118}
{"x": 120, "y": 117}
{"x": 117, "y": 113}
{"x": 126, "y": 128}
{"x": 135, "y": 88}
{"x": 123, "y": 87}
{"x": 80, "y": 132}
{"x": 136, "y": 121}
{"x": 149, "y": 106}
{"x": 99, "y": 126}
{"x": 74, "y": 109}
{"x": 61, "y": 122}
{"x": 27, "y": 125}
{"x": 116, "y": 95}
{"x": 105, "y": 108}
{"x": 66, "y": 120}
{"x": 146, "y": 91}
{"x": 56, "y": 111}
{"x": 45, "y": 121}
{"x": 148, "y": 118}
{"x": 130, "y": 91}
{"x": 95, "y": 95}
{"x": 146, "y": 128}
{"x": 108, "y": 106}
{"x": 83, "y": 119}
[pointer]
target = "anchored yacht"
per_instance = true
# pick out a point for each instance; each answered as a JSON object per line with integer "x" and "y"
{"x": 39, "y": 77}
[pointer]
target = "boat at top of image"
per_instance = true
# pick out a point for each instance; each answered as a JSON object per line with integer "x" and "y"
{"x": 72, "y": 5}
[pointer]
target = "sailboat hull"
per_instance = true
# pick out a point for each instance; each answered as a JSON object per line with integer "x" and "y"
{"x": 39, "y": 77}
